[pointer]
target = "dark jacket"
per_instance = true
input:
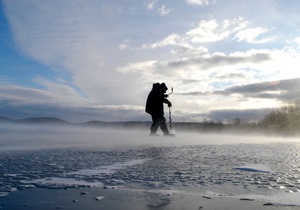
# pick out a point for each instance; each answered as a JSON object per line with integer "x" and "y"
{"x": 155, "y": 101}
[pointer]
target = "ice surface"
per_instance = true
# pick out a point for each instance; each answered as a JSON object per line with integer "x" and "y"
{"x": 279, "y": 199}
{"x": 62, "y": 158}
{"x": 158, "y": 200}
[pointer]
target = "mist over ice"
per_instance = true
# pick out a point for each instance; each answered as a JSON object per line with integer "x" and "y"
{"x": 27, "y": 137}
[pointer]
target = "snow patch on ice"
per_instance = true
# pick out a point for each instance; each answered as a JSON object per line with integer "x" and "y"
{"x": 254, "y": 168}
{"x": 2, "y": 194}
{"x": 55, "y": 182}
{"x": 83, "y": 175}
{"x": 108, "y": 169}
{"x": 99, "y": 198}
{"x": 214, "y": 194}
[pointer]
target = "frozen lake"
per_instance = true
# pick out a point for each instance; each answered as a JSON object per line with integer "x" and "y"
{"x": 214, "y": 164}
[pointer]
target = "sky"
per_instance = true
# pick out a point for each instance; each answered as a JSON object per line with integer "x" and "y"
{"x": 81, "y": 60}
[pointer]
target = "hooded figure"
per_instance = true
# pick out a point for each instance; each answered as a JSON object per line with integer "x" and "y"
{"x": 155, "y": 107}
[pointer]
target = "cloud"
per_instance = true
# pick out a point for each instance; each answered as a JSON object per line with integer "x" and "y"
{"x": 52, "y": 93}
{"x": 251, "y": 35}
{"x": 212, "y": 30}
{"x": 61, "y": 102}
{"x": 210, "y": 61}
{"x": 198, "y": 2}
{"x": 197, "y": 63}
{"x": 74, "y": 42}
{"x": 238, "y": 101}
{"x": 105, "y": 55}
{"x": 20, "y": 102}
{"x": 75, "y": 113}
{"x": 297, "y": 40}
{"x": 39, "y": 104}
{"x": 150, "y": 4}
{"x": 163, "y": 10}
{"x": 284, "y": 90}
{"x": 220, "y": 115}
{"x": 125, "y": 45}
{"x": 171, "y": 40}
{"x": 209, "y": 31}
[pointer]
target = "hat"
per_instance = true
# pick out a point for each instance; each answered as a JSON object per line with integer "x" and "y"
{"x": 163, "y": 85}
{"x": 155, "y": 85}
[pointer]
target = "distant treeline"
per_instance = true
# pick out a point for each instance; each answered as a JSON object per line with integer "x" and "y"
{"x": 284, "y": 120}
{"x": 281, "y": 121}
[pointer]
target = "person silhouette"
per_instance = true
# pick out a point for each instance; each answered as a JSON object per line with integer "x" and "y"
{"x": 155, "y": 107}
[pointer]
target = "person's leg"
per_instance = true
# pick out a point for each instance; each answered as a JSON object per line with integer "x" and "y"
{"x": 163, "y": 125}
{"x": 155, "y": 124}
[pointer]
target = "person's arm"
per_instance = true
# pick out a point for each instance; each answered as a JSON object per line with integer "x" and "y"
{"x": 166, "y": 101}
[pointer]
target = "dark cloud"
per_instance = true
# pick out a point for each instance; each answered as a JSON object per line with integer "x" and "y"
{"x": 231, "y": 114}
{"x": 73, "y": 113}
{"x": 231, "y": 76}
{"x": 189, "y": 81}
{"x": 197, "y": 93}
{"x": 115, "y": 113}
{"x": 205, "y": 63}
{"x": 223, "y": 115}
{"x": 217, "y": 60}
{"x": 281, "y": 89}
{"x": 285, "y": 90}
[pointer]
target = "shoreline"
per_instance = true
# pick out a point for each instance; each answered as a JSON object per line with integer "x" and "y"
{"x": 126, "y": 198}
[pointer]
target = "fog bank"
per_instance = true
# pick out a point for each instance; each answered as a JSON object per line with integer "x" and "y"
{"x": 28, "y": 137}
